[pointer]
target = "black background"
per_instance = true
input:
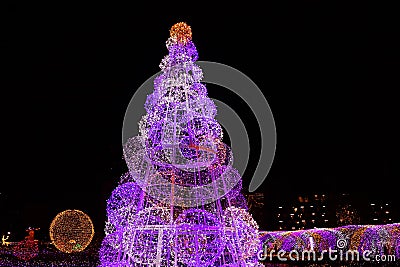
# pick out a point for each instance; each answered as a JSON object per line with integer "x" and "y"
{"x": 329, "y": 72}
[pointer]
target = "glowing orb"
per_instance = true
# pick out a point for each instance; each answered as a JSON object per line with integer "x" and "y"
{"x": 71, "y": 231}
{"x": 181, "y": 32}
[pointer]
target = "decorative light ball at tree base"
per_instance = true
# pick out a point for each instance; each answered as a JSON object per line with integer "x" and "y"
{"x": 71, "y": 231}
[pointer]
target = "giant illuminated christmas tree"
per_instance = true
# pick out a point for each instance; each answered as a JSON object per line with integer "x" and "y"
{"x": 180, "y": 204}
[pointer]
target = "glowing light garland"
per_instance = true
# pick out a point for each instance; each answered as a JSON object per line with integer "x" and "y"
{"x": 199, "y": 216}
{"x": 71, "y": 231}
{"x": 377, "y": 239}
{"x": 181, "y": 32}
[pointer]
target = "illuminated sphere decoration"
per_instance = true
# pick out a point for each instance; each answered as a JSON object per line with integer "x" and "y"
{"x": 122, "y": 204}
{"x": 181, "y": 32}
{"x": 71, "y": 231}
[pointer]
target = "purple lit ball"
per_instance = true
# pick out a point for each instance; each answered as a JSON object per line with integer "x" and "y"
{"x": 123, "y": 204}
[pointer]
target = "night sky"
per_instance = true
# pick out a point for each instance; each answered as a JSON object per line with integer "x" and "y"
{"x": 329, "y": 73}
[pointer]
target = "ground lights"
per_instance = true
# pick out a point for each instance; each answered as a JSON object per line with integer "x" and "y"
{"x": 378, "y": 239}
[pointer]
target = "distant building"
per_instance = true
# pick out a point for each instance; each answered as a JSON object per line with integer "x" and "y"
{"x": 305, "y": 212}
{"x": 320, "y": 211}
{"x": 380, "y": 212}
{"x": 346, "y": 214}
